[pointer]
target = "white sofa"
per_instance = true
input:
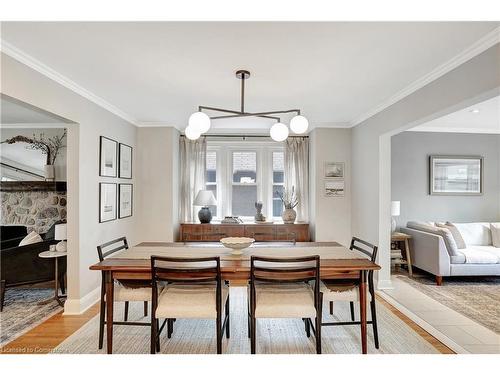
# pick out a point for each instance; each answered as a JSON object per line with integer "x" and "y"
{"x": 433, "y": 249}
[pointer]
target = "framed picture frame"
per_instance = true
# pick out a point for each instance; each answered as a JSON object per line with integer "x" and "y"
{"x": 107, "y": 202}
{"x": 456, "y": 175}
{"x": 126, "y": 200}
{"x": 333, "y": 169}
{"x": 108, "y": 151}
{"x": 334, "y": 188}
{"x": 125, "y": 161}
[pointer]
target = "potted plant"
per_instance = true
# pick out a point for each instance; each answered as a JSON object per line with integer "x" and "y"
{"x": 290, "y": 201}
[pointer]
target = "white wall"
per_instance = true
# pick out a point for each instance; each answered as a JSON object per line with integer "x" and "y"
{"x": 410, "y": 177}
{"x": 474, "y": 81}
{"x": 158, "y": 193}
{"x": 330, "y": 217}
{"x": 92, "y": 121}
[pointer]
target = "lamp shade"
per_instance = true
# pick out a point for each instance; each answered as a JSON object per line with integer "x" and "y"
{"x": 205, "y": 198}
{"x": 60, "y": 232}
{"x": 395, "y": 208}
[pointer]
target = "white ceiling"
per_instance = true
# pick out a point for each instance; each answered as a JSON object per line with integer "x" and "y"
{"x": 159, "y": 72}
{"x": 15, "y": 112}
{"x": 468, "y": 120}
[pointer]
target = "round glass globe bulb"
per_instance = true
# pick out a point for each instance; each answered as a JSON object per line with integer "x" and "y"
{"x": 191, "y": 133}
{"x": 200, "y": 122}
{"x": 279, "y": 132}
{"x": 299, "y": 124}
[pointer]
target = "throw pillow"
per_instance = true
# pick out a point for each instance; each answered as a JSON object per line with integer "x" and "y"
{"x": 32, "y": 237}
{"x": 455, "y": 233}
{"x": 449, "y": 241}
{"x": 495, "y": 234}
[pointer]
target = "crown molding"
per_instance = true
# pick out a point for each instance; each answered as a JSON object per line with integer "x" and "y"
{"x": 436, "y": 129}
{"x": 47, "y": 71}
{"x": 481, "y": 45}
{"x": 156, "y": 124}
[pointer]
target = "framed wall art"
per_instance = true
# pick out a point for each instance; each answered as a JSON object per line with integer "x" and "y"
{"x": 455, "y": 175}
{"x": 107, "y": 202}
{"x": 108, "y": 150}
{"x": 334, "y": 169}
{"x": 125, "y": 161}
{"x": 125, "y": 204}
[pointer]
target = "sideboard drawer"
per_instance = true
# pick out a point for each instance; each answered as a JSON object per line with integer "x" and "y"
{"x": 261, "y": 232}
{"x": 216, "y": 232}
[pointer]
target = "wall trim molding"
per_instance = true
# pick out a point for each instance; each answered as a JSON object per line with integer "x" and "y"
{"x": 47, "y": 71}
{"x": 156, "y": 124}
{"x": 431, "y": 129}
{"x": 79, "y": 306}
{"x": 481, "y": 45}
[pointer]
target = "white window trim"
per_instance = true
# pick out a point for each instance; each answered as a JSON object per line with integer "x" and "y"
{"x": 224, "y": 173}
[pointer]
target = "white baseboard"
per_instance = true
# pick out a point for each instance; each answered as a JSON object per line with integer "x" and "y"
{"x": 79, "y": 306}
{"x": 426, "y": 326}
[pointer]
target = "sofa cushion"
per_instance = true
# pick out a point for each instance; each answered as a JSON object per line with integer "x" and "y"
{"x": 495, "y": 234}
{"x": 475, "y": 233}
{"x": 32, "y": 237}
{"x": 449, "y": 241}
{"x": 455, "y": 233}
{"x": 481, "y": 254}
{"x": 8, "y": 232}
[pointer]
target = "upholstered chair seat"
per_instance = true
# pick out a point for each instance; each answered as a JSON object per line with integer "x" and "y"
{"x": 189, "y": 301}
{"x": 124, "y": 293}
{"x": 333, "y": 292}
{"x": 286, "y": 300}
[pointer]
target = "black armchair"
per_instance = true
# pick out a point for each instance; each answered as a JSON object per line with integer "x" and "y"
{"x": 21, "y": 265}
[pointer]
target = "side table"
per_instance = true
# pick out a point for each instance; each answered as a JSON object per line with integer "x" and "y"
{"x": 55, "y": 255}
{"x": 403, "y": 239}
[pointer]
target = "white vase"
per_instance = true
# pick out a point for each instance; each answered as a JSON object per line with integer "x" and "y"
{"x": 49, "y": 172}
{"x": 289, "y": 216}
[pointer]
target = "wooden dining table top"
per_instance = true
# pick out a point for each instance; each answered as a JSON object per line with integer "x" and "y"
{"x": 334, "y": 258}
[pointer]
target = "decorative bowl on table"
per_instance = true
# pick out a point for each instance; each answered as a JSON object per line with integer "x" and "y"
{"x": 237, "y": 244}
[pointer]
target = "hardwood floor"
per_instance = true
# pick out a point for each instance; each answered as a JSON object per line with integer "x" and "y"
{"x": 48, "y": 335}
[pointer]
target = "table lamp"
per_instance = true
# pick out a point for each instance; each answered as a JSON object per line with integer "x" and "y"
{"x": 61, "y": 236}
{"x": 205, "y": 198}
{"x": 395, "y": 211}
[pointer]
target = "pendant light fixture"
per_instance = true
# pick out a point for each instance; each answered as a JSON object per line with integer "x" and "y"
{"x": 199, "y": 122}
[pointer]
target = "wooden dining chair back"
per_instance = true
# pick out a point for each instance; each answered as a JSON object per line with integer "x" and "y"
{"x": 281, "y": 272}
{"x": 202, "y": 274}
{"x": 347, "y": 290}
{"x": 121, "y": 294}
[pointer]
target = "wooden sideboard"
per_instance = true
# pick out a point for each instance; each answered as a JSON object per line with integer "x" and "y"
{"x": 261, "y": 232}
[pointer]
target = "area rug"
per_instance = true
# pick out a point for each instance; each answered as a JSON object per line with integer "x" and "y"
{"x": 478, "y": 298}
{"x": 276, "y": 336}
{"x": 24, "y": 309}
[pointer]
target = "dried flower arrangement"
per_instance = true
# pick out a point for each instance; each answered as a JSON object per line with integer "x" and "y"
{"x": 289, "y": 198}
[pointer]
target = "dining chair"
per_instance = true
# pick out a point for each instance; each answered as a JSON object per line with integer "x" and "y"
{"x": 193, "y": 289}
{"x": 124, "y": 290}
{"x": 348, "y": 290}
{"x": 282, "y": 288}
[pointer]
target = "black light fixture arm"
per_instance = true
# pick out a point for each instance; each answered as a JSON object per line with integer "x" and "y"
{"x": 243, "y": 75}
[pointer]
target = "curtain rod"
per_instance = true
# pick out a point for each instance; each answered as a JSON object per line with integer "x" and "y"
{"x": 245, "y": 136}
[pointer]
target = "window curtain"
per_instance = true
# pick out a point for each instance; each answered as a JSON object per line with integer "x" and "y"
{"x": 297, "y": 173}
{"x": 193, "y": 156}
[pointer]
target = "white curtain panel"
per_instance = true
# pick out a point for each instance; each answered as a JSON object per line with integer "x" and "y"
{"x": 297, "y": 173}
{"x": 193, "y": 164}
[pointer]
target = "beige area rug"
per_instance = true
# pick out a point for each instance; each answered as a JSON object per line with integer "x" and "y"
{"x": 478, "y": 298}
{"x": 277, "y": 336}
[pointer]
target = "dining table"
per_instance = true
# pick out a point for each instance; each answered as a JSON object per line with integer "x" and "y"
{"x": 134, "y": 263}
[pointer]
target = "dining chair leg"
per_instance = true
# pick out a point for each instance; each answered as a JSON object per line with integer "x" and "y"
{"x": 219, "y": 333}
{"x": 351, "y": 305}
{"x": 170, "y": 328}
{"x": 308, "y": 327}
{"x": 157, "y": 335}
{"x": 125, "y": 313}
{"x": 331, "y": 307}
{"x": 102, "y": 312}
{"x": 153, "y": 335}
{"x": 228, "y": 318}
{"x": 317, "y": 333}
{"x": 145, "y": 308}
{"x": 374, "y": 322}
{"x": 253, "y": 330}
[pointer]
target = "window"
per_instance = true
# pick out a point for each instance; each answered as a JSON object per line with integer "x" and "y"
{"x": 278, "y": 182}
{"x": 244, "y": 183}
{"x": 211, "y": 177}
{"x": 243, "y": 172}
